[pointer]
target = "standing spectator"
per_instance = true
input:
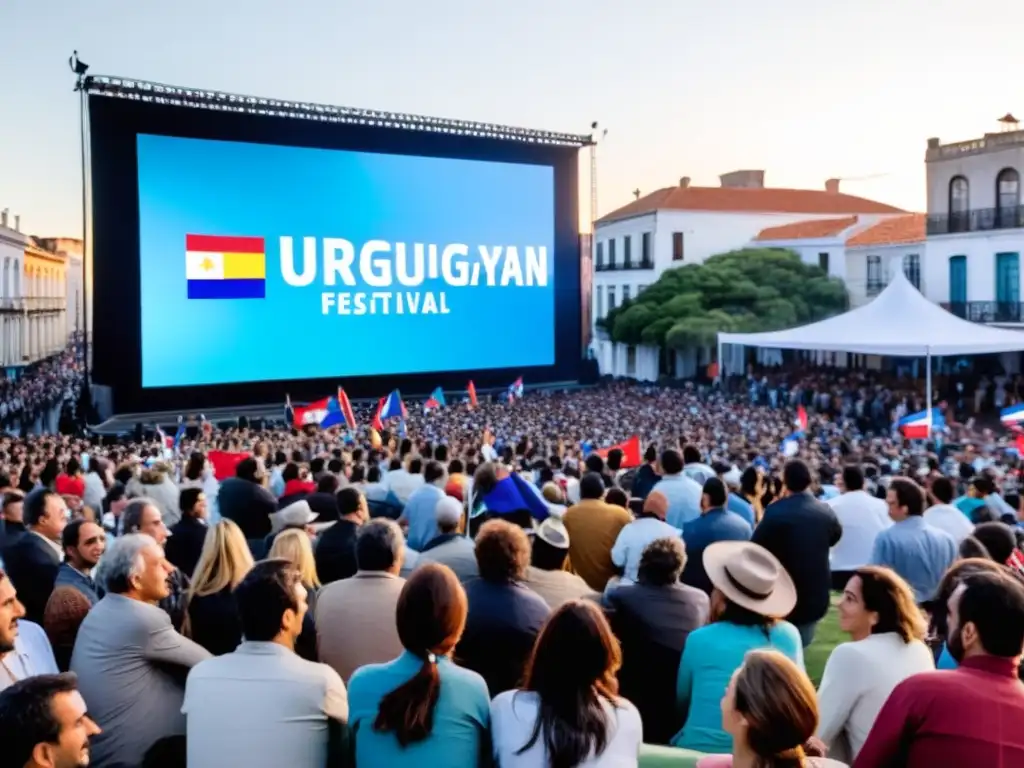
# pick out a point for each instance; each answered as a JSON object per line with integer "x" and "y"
{"x": 943, "y": 515}
{"x": 800, "y": 531}
{"x": 633, "y": 539}
{"x": 450, "y": 547}
{"x": 862, "y": 517}
{"x": 284, "y": 710}
{"x": 335, "y": 552}
{"x": 593, "y": 527}
{"x": 504, "y": 615}
{"x": 681, "y": 490}
{"x": 919, "y": 553}
{"x": 716, "y": 523}
{"x": 33, "y": 560}
{"x": 43, "y": 723}
{"x": 752, "y": 592}
{"x": 185, "y": 544}
{"x": 141, "y": 515}
{"x": 84, "y": 544}
{"x": 355, "y": 617}
{"x": 879, "y": 613}
{"x": 421, "y": 709}
{"x": 127, "y": 653}
{"x": 973, "y": 715}
{"x": 547, "y": 575}
{"x": 568, "y": 711}
{"x": 24, "y": 648}
{"x": 419, "y": 515}
{"x": 70, "y": 482}
{"x": 244, "y": 499}
{"x": 212, "y": 616}
{"x": 12, "y": 514}
{"x": 652, "y": 620}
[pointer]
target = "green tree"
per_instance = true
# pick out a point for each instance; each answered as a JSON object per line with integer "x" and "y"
{"x": 752, "y": 289}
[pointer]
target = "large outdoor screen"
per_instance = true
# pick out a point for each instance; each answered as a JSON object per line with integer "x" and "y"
{"x": 345, "y": 263}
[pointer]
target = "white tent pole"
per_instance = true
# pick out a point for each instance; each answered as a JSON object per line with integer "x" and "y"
{"x": 720, "y": 361}
{"x": 928, "y": 384}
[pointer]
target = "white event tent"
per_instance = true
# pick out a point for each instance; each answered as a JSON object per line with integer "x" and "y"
{"x": 899, "y": 322}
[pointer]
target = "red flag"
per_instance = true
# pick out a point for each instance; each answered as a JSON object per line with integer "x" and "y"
{"x": 471, "y": 389}
{"x": 632, "y": 456}
{"x": 225, "y": 462}
{"x": 346, "y": 409}
{"x": 1020, "y": 444}
{"x": 377, "y": 423}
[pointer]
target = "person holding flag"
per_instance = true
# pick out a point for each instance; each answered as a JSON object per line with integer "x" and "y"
{"x": 436, "y": 400}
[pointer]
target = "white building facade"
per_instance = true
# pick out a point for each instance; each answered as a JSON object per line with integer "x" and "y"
{"x": 683, "y": 225}
{"x": 13, "y": 322}
{"x": 975, "y": 225}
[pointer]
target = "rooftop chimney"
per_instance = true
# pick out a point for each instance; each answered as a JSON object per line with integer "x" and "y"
{"x": 684, "y": 182}
{"x": 3, "y": 217}
{"x": 934, "y": 142}
{"x": 17, "y": 223}
{"x": 832, "y": 186}
{"x": 743, "y": 179}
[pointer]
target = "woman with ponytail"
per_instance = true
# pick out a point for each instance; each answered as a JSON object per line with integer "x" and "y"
{"x": 421, "y": 710}
{"x": 771, "y": 713}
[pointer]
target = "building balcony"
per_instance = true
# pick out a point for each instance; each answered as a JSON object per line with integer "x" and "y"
{"x": 987, "y": 311}
{"x": 603, "y": 266}
{"x": 978, "y": 220}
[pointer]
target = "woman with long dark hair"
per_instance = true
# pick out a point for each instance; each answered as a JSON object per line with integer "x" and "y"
{"x": 421, "y": 709}
{"x": 568, "y": 713}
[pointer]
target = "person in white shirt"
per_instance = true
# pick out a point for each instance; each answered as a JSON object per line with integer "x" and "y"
{"x": 634, "y": 538}
{"x": 944, "y": 515}
{"x": 880, "y": 613}
{"x": 572, "y": 671}
{"x": 863, "y": 517}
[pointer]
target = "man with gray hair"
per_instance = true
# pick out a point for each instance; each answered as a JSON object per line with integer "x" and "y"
{"x": 450, "y": 547}
{"x": 142, "y": 515}
{"x": 355, "y": 617}
{"x": 130, "y": 661}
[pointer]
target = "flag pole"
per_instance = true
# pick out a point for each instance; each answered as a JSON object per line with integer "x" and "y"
{"x": 928, "y": 384}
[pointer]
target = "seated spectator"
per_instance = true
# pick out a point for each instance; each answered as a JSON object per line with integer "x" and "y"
{"x": 323, "y": 501}
{"x": 916, "y": 551}
{"x": 296, "y": 547}
{"x": 141, "y": 515}
{"x": 450, "y": 547}
{"x": 943, "y": 515}
{"x": 24, "y": 648}
{"x": 244, "y": 500}
{"x": 33, "y": 560}
{"x": 504, "y": 615}
{"x": 185, "y": 545}
{"x": 421, "y": 709}
{"x": 652, "y": 620}
{"x": 419, "y": 515}
{"x": 593, "y": 527}
{"x": 294, "y": 710}
{"x": 635, "y": 536}
{"x": 335, "y": 553}
{"x": 129, "y": 659}
{"x": 65, "y": 611}
{"x": 770, "y": 712}
{"x": 751, "y": 592}
{"x": 297, "y": 516}
{"x": 973, "y": 715}
{"x": 568, "y": 711}
{"x": 355, "y": 617}
{"x": 84, "y": 544}
{"x": 211, "y": 610}
{"x": 681, "y": 490}
{"x": 43, "y": 723}
{"x": 879, "y": 612}
{"x": 547, "y": 575}
{"x": 716, "y": 523}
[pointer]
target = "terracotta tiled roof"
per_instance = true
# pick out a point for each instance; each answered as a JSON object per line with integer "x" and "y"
{"x": 807, "y": 230}
{"x": 749, "y": 200}
{"x": 898, "y": 229}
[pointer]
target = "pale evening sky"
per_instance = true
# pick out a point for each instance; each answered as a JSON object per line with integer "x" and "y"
{"x": 803, "y": 89}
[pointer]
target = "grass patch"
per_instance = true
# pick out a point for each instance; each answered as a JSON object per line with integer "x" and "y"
{"x": 828, "y": 636}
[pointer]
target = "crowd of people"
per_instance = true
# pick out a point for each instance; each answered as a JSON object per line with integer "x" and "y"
{"x": 38, "y": 390}
{"x": 490, "y": 585}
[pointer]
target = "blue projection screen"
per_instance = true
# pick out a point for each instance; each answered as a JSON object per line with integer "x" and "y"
{"x": 261, "y": 262}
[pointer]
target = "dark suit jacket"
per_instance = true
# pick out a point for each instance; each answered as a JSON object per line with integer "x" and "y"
{"x": 248, "y": 504}
{"x": 9, "y": 535}
{"x": 32, "y": 566}
{"x": 186, "y": 544}
{"x": 335, "y": 552}
{"x": 214, "y": 622}
{"x": 800, "y": 531}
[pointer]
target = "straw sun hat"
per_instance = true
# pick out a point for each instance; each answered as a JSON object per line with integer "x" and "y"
{"x": 750, "y": 576}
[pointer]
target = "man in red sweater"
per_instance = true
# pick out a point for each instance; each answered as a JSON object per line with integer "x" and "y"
{"x": 973, "y": 715}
